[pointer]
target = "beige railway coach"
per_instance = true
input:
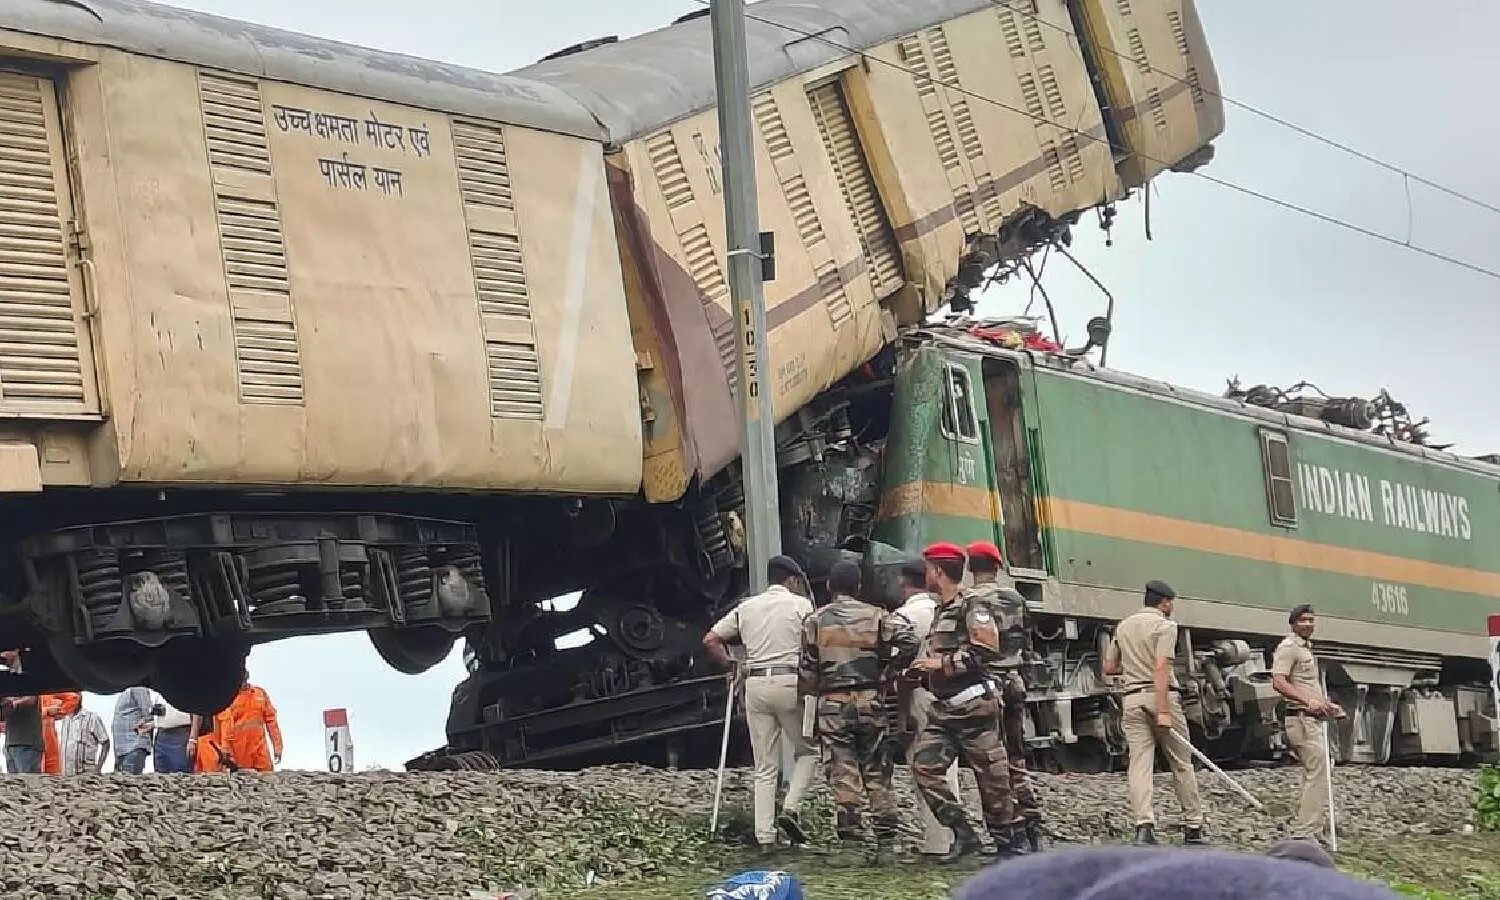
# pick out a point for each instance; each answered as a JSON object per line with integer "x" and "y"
{"x": 889, "y": 133}
{"x": 234, "y": 256}
{"x": 1159, "y": 78}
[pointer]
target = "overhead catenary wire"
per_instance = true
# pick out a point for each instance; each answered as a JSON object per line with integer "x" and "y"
{"x": 1406, "y": 174}
{"x": 1229, "y": 185}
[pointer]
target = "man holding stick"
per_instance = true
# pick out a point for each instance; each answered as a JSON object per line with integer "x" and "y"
{"x": 1143, "y": 650}
{"x": 1294, "y": 675}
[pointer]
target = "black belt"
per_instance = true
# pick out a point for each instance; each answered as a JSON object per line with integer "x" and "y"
{"x": 173, "y": 730}
{"x": 848, "y": 689}
{"x": 1152, "y": 687}
{"x": 758, "y": 671}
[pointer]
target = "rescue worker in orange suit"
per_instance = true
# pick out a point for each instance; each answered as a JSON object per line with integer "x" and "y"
{"x": 55, "y": 707}
{"x": 206, "y": 747}
{"x": 240, "y": 731}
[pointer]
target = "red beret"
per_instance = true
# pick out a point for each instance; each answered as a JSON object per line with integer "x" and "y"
{"x": 985, "y": 550}
{"x": 943, "y": 550}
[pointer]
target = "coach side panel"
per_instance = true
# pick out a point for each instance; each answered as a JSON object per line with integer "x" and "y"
{"x": 870, "y": 172}
{"x": 302, "y": 287}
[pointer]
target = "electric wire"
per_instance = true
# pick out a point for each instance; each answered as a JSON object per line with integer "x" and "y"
{"x": 1229, "y": 185}
{"x": 1271, "y": 117}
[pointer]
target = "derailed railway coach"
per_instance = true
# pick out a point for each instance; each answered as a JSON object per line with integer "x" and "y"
{"x": 1094, "y": 482}
{"x": 270, "y": 363}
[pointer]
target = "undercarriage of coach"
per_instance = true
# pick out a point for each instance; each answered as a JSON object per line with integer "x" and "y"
{"x": 176, "y": 603}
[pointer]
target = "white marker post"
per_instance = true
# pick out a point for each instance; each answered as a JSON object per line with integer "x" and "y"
{"x": 337, "y": 745}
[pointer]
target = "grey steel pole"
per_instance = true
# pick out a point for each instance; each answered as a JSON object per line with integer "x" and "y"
{"x": 737, "y": 148}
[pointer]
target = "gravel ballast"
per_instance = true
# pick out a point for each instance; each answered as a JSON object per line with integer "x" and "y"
{"x": 301, "y": 836}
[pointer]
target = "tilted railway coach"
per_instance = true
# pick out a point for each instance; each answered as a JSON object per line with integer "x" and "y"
{"x": 298, "y": 337}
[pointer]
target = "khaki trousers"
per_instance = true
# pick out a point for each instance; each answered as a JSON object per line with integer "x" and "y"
{"x": 1144, "y": 738}
{"x": 936, "y": 837}
{"x": 1306, "y": 737}
{"x": 773, "y": 710}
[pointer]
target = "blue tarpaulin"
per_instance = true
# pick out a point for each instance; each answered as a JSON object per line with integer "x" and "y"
{"x": 758, "y": 886}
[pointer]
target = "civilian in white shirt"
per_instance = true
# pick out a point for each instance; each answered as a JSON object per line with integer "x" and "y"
{"x": 171, "y": 751}
{"x": 920, "y": 609}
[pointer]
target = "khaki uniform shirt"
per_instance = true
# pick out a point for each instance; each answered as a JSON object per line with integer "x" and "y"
{"x": 1140, "y": 639}
{"x": 769, "y": 625}
{"x": 1294, "y": 659}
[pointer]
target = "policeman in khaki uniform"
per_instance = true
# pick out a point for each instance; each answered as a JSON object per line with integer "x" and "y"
{"x": 846, "y": 645}
{"x": 769, "y": 625}
{"x": 962, "y": 650}
{"x": 1144, "y": 646}
{"x": 985, "y": 563}
{"x": 1294, "y": 675}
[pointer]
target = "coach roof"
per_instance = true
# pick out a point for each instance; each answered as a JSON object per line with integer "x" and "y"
{"x": 640, "y": 85}
{"x": 214, "y": 42}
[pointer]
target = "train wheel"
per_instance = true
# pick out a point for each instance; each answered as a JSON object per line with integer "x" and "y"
{"x": 100, "y": 668}
{"x": 200, "y": 676}
{"x": 1088, "y": 756}
{"x": 412, "y": 651}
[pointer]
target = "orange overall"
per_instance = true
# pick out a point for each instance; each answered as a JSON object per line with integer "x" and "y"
{"x": 54, "y": 707}
{"x": 240, "y": 732}
{"x": 251, "y": 717}
{"x": 210, "y": 749}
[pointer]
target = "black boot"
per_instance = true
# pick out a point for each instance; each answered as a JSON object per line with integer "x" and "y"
{"x": 1011, "y": 841}
{"x": 965, "y": 842}
{"x": 1035, "y": 838}
{"x": 1192, "y": 835}
{"x": 791, "y": 825}
{"x": 1145, "y": 836}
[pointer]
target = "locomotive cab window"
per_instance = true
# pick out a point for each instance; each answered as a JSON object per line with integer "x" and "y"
{"x": 1277, "y": 460}
{"x": 959, "y": 420}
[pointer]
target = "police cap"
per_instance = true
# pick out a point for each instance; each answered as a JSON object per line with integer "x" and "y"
{"x": 914, "y": 568}
{"x": 985, "y": 550}
{"x": 944, "y": 550}
{"x": 1161, "y": 590}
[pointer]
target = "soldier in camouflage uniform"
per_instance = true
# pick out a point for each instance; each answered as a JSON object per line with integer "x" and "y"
{"x": 845, "y": 647}
{"x": 965, "y": 721}
{"x": 1015, "y": 640}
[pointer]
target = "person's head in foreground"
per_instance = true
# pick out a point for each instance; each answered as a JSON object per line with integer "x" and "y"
{"x": 1148, "y": 873}
{"x": 1304, "y": 850}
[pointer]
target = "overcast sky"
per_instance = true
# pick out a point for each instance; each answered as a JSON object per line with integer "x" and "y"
{"x": 1230, "y": 285}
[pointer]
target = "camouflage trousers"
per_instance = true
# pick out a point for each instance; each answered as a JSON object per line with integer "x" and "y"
{"x": 852, "y": 734}
{"x": 1013, "y": 723}
{"x": 970, "y": 733}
